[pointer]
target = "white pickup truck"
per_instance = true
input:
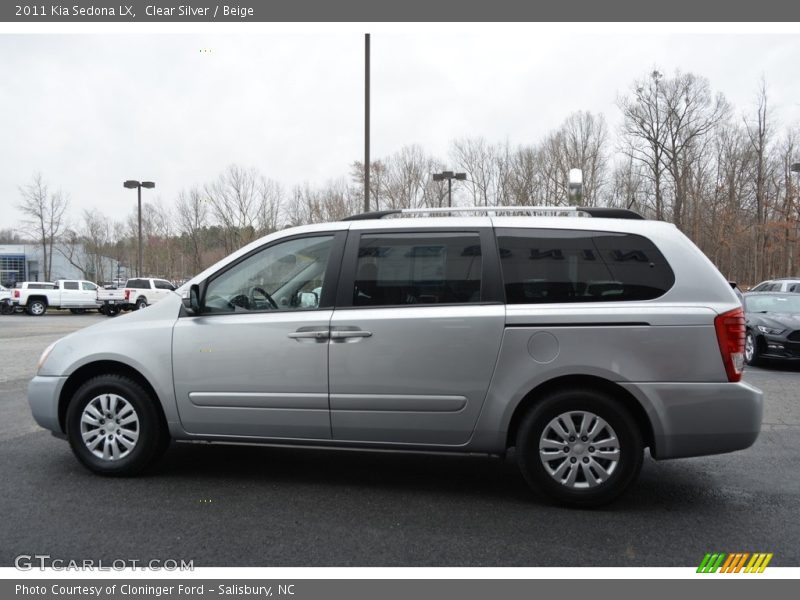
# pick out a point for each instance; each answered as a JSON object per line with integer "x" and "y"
{"x": 77, "y": 295}
{"x": 138, "y": 293}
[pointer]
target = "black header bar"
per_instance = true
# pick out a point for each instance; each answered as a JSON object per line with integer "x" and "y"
{"x": 197, "y": 11}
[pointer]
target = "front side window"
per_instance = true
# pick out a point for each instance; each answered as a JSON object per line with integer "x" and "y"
{"x": 163, "y": 285}
{"x": 404, "y": 269}
{"x": 286, "y": 276}
{"x": 87, "y": 286}
{"x": 553, "y": 265}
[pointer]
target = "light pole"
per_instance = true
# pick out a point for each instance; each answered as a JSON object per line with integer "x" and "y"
{"x": 366, "y": 121}
{"x": 138, "y": 185}
{"x": 795, "y": 168}
{"x": 449, "y": 175}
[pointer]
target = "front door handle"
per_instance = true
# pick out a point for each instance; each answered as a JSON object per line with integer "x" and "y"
{"x": 314, "y": 333}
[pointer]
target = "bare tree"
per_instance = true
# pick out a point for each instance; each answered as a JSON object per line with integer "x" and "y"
{"x": 477, "y": 158}
{"x": 86, "y": 246}
{"x": 45, "y": 212}
{"x": 243, "y": 202}
{"x": 692, "y": 112}
{"x": 579, "y": 143}
{"x": 787, "y": 155}
{"x": 758, "y": 133}
{"x": 644, "y": 131}
{"x": 191, "y": 211}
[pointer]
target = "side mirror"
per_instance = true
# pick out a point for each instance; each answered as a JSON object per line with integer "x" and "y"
{"x": 192, "y": 301}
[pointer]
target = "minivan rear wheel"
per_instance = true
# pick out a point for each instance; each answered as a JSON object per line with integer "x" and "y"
{"x": 113, "y": 426}
{"x": 579, "y": 447}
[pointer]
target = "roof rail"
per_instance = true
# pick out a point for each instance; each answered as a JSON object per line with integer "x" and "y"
{"x": 592, "y": 211}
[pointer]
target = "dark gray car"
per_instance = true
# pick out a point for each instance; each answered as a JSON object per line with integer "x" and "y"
{"x": 773, "y": 327}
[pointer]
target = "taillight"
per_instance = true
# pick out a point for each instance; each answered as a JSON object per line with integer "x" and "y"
{"x": 127, "y": 294}
{"x": 730, "y": 335}
{"x": 16, "y": 293}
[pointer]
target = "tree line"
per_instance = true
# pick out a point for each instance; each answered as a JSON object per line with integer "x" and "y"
{"x": 682, "y": 154}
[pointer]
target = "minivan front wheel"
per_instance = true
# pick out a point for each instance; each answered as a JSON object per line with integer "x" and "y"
{"x": 113, "y": 426}
{"x": 579, "y": 447}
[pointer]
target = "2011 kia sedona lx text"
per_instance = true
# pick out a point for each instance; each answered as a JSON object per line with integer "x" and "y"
{"x": 579, "y": 337}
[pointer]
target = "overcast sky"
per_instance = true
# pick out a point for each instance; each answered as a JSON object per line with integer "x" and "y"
{"x": 90, "y": 111}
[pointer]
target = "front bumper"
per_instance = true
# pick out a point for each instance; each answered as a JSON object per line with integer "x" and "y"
{"x": 697, "y": 419}
{"x": 778, "y": 346}
{"x": 43, "y": 395}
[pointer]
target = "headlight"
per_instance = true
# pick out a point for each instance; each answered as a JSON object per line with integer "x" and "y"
{"x": 770, "y": 330}
{"x": 44, "y": 356}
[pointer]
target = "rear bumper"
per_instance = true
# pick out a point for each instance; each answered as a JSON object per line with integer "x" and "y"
{"x": 43, "y": 394}
{"x": 697, "y": 419}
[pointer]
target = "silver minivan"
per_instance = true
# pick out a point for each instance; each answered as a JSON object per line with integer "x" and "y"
{"x": 577, "y": 337}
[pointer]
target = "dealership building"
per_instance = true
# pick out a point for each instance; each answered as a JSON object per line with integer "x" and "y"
{"x": 24, "y": 262}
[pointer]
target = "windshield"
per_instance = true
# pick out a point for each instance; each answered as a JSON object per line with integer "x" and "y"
{"x": 773, "y": 303}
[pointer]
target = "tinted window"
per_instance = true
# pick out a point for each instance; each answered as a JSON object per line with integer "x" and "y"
{"x": 400, "y": 269}
{"x": 71, "y": 285}
{"x": 139, "y": 284}
{"x": 163, "y": 285}
{"x": 38, "y": 286}
{"x": 551, "y": 265}
{"x": 760, "y": 287}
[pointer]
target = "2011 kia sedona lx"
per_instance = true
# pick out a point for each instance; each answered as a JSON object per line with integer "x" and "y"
{"x": 578, "y": 340}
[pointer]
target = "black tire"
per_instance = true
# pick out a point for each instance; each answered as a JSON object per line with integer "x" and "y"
{"x": 755, "y": 359}
{"x": 77, "y": 311}
{"x": 153, "y": 436}
{"x": 140, "y": 304}
{"x": 631, "y": 448}
{"x": 6, "y": 308}
{"x": 110, "y": 311}
{"x": 36, "y": 308}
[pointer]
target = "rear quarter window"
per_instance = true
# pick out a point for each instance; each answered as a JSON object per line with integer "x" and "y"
{"x": 38, "y": 286}
{"x": 542, "y": 266}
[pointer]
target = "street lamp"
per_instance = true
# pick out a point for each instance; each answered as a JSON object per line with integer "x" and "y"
{"x": 449, "y": 175}
{"x": 138, "y": 185}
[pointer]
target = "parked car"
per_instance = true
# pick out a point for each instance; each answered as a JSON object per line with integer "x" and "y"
{"x": 773, "y": 327}
{"x": 577, "y": 341}
{"x": 6, "y": 305}
{"x": 142, "y": 292}
{"x": 786, "y": 284}
{"x": 36, "y": 297}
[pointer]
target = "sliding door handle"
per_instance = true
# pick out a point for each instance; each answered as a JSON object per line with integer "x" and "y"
{"x": 342, "y": 335}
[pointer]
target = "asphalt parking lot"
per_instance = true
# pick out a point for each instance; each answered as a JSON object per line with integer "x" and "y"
{"x": 260, "y": 506}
